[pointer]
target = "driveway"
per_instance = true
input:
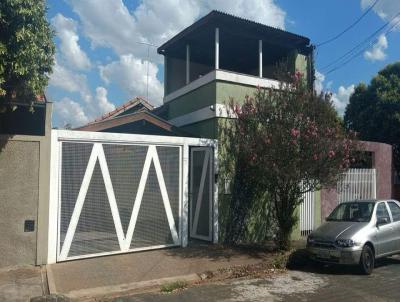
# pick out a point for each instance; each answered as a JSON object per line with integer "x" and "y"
{"x": 311, "y": 283}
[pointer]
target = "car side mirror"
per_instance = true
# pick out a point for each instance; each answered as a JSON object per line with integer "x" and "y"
{"x": 381, "y": 221}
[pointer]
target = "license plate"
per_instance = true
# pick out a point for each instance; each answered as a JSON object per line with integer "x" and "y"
{"x": 323, "y": 254}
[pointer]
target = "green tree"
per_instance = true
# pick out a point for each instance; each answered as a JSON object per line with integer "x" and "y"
{"x": 374, "y": 110}
{"x": 26, "y": 51}
{"x": 285, "y": 142}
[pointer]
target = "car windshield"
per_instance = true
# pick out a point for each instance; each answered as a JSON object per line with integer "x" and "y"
{"x": 352, "y": 211}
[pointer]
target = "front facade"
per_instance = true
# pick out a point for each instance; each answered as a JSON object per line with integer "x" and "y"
{"x": 134, "y": 179}
{"x": 222, "y": 57}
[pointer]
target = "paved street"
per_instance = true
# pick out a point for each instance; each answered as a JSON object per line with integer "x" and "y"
{"x": 308, "y": 284}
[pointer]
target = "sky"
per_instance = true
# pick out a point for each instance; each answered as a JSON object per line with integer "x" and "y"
{"x": 101, "y": 61}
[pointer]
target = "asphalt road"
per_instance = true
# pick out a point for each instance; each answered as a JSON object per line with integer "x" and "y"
{"x": 311, "y": 283}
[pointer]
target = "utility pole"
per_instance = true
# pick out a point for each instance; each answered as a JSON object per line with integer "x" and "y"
{"x": 148, "y": 61}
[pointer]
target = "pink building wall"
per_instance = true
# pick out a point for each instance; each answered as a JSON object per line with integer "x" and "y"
{"x": 382, "y": 162}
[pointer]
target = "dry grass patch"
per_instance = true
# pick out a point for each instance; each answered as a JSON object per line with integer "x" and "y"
{"x": 173, "y": 286}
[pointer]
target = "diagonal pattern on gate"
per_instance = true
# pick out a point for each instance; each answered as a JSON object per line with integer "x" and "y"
{"x": 124, "y": 240}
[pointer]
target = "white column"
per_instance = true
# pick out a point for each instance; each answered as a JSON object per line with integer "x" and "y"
{"x": 55, "y": 173}
{"x": 260, "y": 61}
{"x": 185, "y": 195}
{"x": 187, "y": 64}
{"x": 216, "y": 48}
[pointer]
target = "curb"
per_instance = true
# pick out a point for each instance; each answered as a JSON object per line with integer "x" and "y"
{"x": 91, "y": 294}
{"x": 50, "y": 280}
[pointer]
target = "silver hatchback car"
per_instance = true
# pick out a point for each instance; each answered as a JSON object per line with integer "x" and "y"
{"x": 358, "y": 232}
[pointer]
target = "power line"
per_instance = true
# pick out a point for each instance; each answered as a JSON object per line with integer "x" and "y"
{"x": 349, "y": 27}
{"x": 362, "y": 50}
{"x": 355, "y": 48}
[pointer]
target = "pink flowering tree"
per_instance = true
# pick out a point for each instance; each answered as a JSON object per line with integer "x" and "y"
{"x": 285, "y": 142}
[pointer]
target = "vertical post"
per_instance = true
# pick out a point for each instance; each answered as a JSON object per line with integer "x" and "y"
{"x": 216, "y": 48}
{"x": 260, "y": 59}
{"x": 185, "y": 195}
{"x": 166, "y": 91}
{"x": 45, "y": 148}
{"x": 53, "y": 218}
{"x": 187, "y": 64}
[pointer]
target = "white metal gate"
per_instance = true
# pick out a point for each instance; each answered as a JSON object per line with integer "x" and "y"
{"x": 307, "y": 214}
{"x": 357, "y": 184}
{"x": 115, "y": 193}
{"x": 201, "y": 192}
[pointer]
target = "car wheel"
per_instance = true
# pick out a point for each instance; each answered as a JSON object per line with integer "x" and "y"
{"x": 367, "y": 260}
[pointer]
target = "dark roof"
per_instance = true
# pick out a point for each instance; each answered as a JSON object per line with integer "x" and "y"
{"x": 238, "y": 25}
{"x": 126, "y": 119}
{"x": 140, "y": 103}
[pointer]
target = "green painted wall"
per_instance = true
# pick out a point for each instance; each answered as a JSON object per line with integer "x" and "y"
{"x": 227, "y": 90}
{"x": 207, "y": 128}
{"x": 301, "y": 64}
{"x": 192, "y": 101}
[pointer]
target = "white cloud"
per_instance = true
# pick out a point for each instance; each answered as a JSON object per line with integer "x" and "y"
{"x": 266, "y": 12}
{"x": 70, "y": 112}
{"x": 109, "y": 23}
{"x": 102, "y": 102}
{"x": 157, "y": 22}
{"x": 70, "y": 81}
{"x": 76, "y": 114}
{"x": 385, "y": 9}
{"x": 91, "y": 107}
{"x": 377, "y": 52}
{"x": 341, "y": 98}
{"x": 130, "y": 73}
{"x": 66, "y": 30}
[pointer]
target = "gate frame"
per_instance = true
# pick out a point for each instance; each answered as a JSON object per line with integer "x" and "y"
{"x": 192, "y": 233}
{"x": 59, "y": 136}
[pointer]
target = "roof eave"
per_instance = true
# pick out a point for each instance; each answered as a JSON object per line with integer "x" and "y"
{"x": 211, "y": 17}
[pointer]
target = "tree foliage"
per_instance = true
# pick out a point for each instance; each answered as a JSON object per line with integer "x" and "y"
{"x": 26, "y": 51}
{"x": 374, "y": 110}
{"x": 285, "y": 142}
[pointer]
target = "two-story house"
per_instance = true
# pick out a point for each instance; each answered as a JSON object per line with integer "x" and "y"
{"x": 222, "y": 56}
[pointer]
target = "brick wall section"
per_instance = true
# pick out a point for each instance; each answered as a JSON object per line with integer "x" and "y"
{"x": 382, "y": 162}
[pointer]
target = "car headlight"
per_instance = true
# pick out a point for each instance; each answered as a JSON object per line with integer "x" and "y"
{"x": 310, "y": 240}
{"x": 345, "y": 243}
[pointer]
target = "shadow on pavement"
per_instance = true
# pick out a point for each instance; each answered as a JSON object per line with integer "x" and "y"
{"x": 217, "y": 252}
{"x": 300, "y": 261}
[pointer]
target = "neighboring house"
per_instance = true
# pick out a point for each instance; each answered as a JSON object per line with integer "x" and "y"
{"x": 133, "y": 117}
{"x": 135, "y": 105}
{"x": 26, "y": 119}
{"x": 222, "y": 56}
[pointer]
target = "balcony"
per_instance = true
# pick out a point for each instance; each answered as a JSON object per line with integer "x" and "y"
{"x": 222, "y": 75}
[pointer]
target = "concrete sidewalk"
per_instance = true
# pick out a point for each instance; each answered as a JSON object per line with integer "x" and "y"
{"x": 103, "y": 276}
{"x": 20, "y": 284}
